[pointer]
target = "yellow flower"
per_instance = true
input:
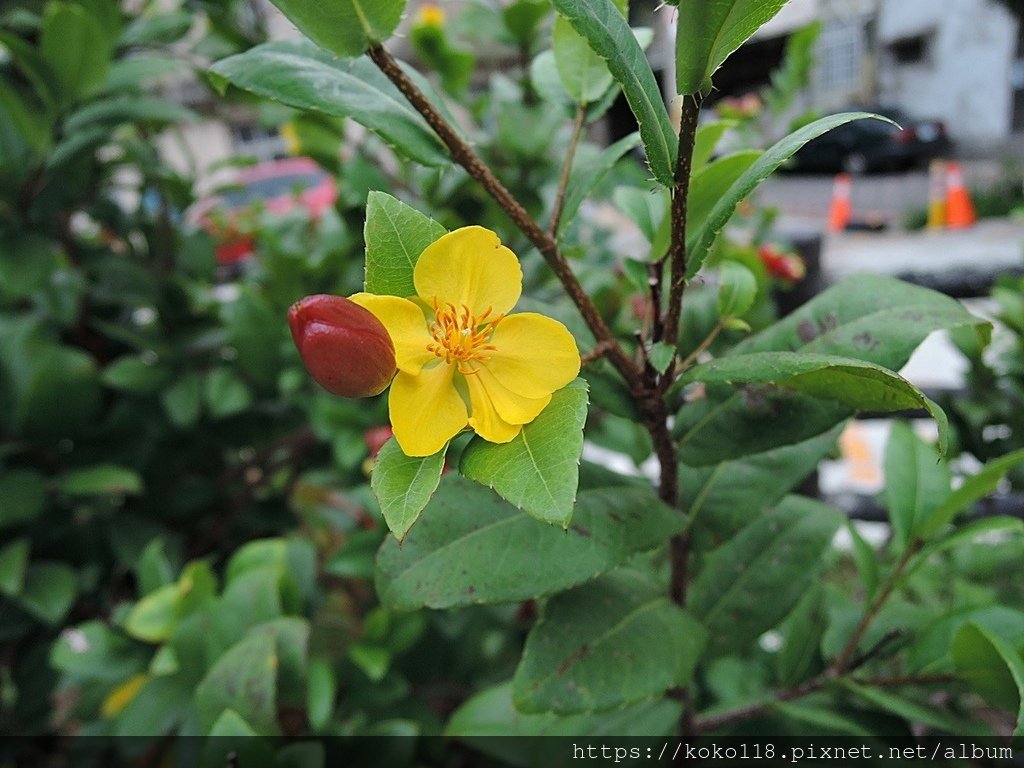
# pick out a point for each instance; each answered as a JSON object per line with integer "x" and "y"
{"x": 430, "y": 15}
{"x": 461, "y": 359}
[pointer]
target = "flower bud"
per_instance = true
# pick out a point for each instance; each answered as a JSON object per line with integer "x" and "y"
{"x": 344, "y": 347}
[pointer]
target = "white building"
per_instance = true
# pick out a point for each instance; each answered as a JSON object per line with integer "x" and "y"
{"x": 959, "y": 61}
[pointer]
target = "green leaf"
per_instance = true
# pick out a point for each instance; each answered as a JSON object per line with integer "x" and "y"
{"x": 866, "y": 558}
{"x": 145, "y": 110}
{"x": 183, "y": 400}
{"x": 396, "y": 234}
{"x": 104, "y": 479}
{"x": 725, "y": 498}
{"x": 723, "y": 209}
{"x": 749, "y": 584}
{"x": 135, "y": 374}
{"x": 824, "y": 721}
{"x": 48, "y": 591}
{"x": 243, "y": 679}
{"x": 95, "y": 652}
{"x": 298, "y": 75}
{"x": 708, "y": 136}
{"x": 13, "y": 565}
{"x": 709, "y": 185}
{"x": 346, "y": 27}
{"x": 931, "y": 652}
{"x": 538, "y": 471}
{"x": 154, "y": 617}
{"x": 24, "y": 496}
{"x": 226, "y": 393}
{"x": 973, "y": 490}
{"x": 233, "y": 740}
{"x": 801, "y": 638}
{"x": 404, "y": 484}
{"x": 661, "y": 355}
{"x": 76, "y": 48}
{"x": 708, "y": 32}
{"x": 867, "y": 317}
{"x": 62, "y": 397}
{"x": 967, "y": 533}
{"x": 587, "y": 172}
{"x": 860, "y": 385}
{"x": 647, "y": 208}
{"x": 737, "y": 289}
{"x": 916, "y": 483}
{"x": 605, "y": 645}
{"x": 583, "y": 73}
{"x": 462, "y": 552}
{"x": 993, "y": 668}
{"x": 609, "y": 35}
{"x": 906, "y": 709}
{"x": 491, "y": 713}
{"x": 322, "y": 691}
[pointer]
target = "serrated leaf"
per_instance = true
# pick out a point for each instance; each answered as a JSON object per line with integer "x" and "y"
{"x": 396, "y": 234}
{"x": 609, "y": 35}
{"x": 605, "y": 645}
{"x": 346, "y": 27}
{"x": 587, "y": 172}
{"x": 473, "y": 547}
{"x": 298, "y": 75}
{"x": 973, "y": 490}
{"x": 750, "y": 583}
{"x": 404, "y": 484}
{"x": 709, "y": 31}
{"x": 703, "y": 238}
{"x": 538, "y": 471}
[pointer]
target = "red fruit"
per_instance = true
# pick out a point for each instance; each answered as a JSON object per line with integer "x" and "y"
{"x": 345, "y": 348}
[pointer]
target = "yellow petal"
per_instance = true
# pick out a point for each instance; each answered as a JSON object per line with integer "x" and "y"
{"x": 406, "y": 326}
{"x": 469, "y": 267}
{"x": 487, "y": 393}
{"x": 426, "y": 411}
{"x": 533, "y": 355}
{"x": 485, "y": 419}
{"x": 123, "y": 695}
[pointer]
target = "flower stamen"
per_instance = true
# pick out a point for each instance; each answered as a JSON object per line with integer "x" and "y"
{"x": 460, "y": 337}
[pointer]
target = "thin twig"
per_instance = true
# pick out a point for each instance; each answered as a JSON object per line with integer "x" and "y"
{"x": 464, "y": 155}
{"x": 703, "y": 347}
{"x": 563, "y": 184}
{"x": 842, "y": 661}
{"x": 599, "y": 351}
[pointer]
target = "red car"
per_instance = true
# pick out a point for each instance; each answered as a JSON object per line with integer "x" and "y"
{"x": 278, "y": 187}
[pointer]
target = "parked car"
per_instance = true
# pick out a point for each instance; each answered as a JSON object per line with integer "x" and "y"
{"x": 863, "y": 146}
{"x": 279, "y": 186}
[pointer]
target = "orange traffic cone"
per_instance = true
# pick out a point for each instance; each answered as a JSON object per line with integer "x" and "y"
{"x": 936, "y": 194}
{"x": 840, "y": 210}
{"x": 959, "y": 208}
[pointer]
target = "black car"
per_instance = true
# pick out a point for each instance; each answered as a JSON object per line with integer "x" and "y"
{"x": 872, "y": 145}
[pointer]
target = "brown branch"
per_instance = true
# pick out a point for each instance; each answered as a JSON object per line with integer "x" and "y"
{"x": 464, "y": 155}
{"x": 599, "y": 351}
{"x": 842, "y": 661}
{"x": 563, "y": 183}
{"x": 815, "y": 684}
{"x": 677, "y": 255}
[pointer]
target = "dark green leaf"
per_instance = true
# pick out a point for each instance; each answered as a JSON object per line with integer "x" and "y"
{"x": 472, "y": 547}
{"x": 538, "y": 471}
{"x": 298, "y": 75}
{"x": 346, "y": 27}
{"x": 76, "y": 48}
{"x": 605, "y": 645}
{"x": 609, "y": 35}
{"x": 13, "y": 565}
{"x": 48, "y": 591}
{"x": 916, "y": 483}
{"x": 709, "y": 31}
{"x": 747, "y": 585}
{"x": 101, "y": 480}
{"x": 226, "y": 393}
{"x": 24, "y": 496}
{"x": 761, "y": 169}
{"x": 243, "y": 679}
{"x": 396, "y": 234}
{"x": 905, "y": 708}
{"x": 709, "y": 185}
{"x": 135, "y": 374}
{"x": 404, "y": 484}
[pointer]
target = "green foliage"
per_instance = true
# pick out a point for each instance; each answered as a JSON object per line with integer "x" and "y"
{"x": 345, "y": 27}
{"x": 395, "y": 237}
{"x": 403, "y": 485}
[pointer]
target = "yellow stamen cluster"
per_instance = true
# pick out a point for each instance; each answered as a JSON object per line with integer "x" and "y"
{"x": 430, "y": 15}
{"x": 460, "y": 337}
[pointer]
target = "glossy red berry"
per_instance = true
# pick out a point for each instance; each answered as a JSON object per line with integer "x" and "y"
{"x": 345, "y": 348}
